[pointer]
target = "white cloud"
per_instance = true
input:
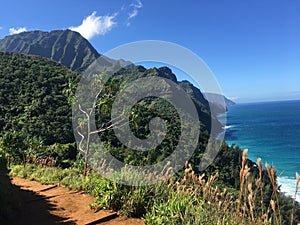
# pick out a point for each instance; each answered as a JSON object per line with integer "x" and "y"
{"x": 135, "y": 9}
{"x": 17, "y": 30}
{"x": 95, "y": 25}
{"x": 138, "y": 4}
{"x": 133, "y": 14}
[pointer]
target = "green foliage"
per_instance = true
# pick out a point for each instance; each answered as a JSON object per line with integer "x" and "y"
{"x": 227, "y": 165}
{"x": 64, "y": 153}
{"x": 135, "y": 203}
{"x": 35, "y": 120}
{"x": 182, "y": 208}
{"x": 188, "y": 200}
{"x": 14, "y": 145}
{"x": 32, "y": 98}
{"x": 144, "y": 111}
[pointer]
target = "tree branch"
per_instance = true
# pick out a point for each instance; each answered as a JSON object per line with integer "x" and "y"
{"x": 110, "y": 127}
{"x": 82, "y": 138}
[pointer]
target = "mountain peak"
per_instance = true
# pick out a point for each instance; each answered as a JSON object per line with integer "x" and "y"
{"x": 64, "y": 46}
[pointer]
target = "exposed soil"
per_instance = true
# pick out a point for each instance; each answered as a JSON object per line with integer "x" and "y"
{"x": 51, "y": 204}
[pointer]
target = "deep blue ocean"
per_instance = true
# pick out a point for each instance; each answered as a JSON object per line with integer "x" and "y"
{"x": 270, "y": 131}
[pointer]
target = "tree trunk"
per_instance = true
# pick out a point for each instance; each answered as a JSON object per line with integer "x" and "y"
{"x": 85, "y": 168}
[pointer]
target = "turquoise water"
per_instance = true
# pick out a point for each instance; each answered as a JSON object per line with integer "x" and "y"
{"x": 270, "y": 131}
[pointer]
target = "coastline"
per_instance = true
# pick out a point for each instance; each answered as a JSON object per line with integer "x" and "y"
{"x": 286, "y": 183}
{"x": 270, "y": 131}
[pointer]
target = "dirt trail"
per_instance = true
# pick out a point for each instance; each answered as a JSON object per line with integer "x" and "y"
{"x": 52, "y": 204}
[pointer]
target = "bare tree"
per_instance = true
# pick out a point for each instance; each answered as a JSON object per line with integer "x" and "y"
{"x": 85, "y": 129}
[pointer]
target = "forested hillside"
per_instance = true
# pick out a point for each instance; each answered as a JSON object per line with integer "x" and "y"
{"x": 35, "y": 105}
{"x": 64, "y": 46}
{"x": 36, "y": 98}
{"x": 147, "y": 109}
{"x": 32, "y": 99}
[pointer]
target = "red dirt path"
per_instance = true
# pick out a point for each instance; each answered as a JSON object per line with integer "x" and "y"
{"x": 51, "y": 204}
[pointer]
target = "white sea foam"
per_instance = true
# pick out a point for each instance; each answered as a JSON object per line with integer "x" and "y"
{"x": 288, "y": 185}
{"x": 227, "y": 127}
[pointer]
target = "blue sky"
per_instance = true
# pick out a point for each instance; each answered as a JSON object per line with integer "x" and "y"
{"x": 252, "y": 46}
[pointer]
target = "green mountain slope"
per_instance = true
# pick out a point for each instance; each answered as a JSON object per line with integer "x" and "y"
{"x": 145, "y": 110}
{"x": 64, "y": 46}
{"x": 34, "y": 102}
{"x": 125, "y": 76}
{"x": 32, "y": 99}
{"x": 32, "y": 95}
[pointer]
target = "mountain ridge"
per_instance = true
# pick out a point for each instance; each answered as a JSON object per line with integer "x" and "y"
{"x": 76, "y": 53}
{"x": 70, "y": 49}
{"x": 64, "y": 46}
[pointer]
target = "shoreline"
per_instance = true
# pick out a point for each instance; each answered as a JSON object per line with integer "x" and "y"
{"x": 270, "y": 131}
{"x": 287, "y": 184}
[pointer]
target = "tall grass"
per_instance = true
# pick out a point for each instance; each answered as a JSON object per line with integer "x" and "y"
{"x": 191, "y": 199}
{"x": 194, "y": 200}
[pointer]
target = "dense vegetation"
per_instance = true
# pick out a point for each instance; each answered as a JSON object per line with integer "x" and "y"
{"x": 35, "y": 121}
{"x": 66, "y": 47}
{"x": 34, "y": 109}
{"x": 144, "y": 111}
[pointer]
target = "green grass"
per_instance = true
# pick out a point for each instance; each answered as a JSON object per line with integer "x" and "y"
{"x": 189, "y": 200}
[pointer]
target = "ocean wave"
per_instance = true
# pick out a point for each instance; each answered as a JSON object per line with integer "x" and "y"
{"x": 227, "y": 127}
{"x": 287, "y": 186}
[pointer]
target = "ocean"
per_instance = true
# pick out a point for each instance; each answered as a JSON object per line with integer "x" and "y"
{"x": 270, "y": 131}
